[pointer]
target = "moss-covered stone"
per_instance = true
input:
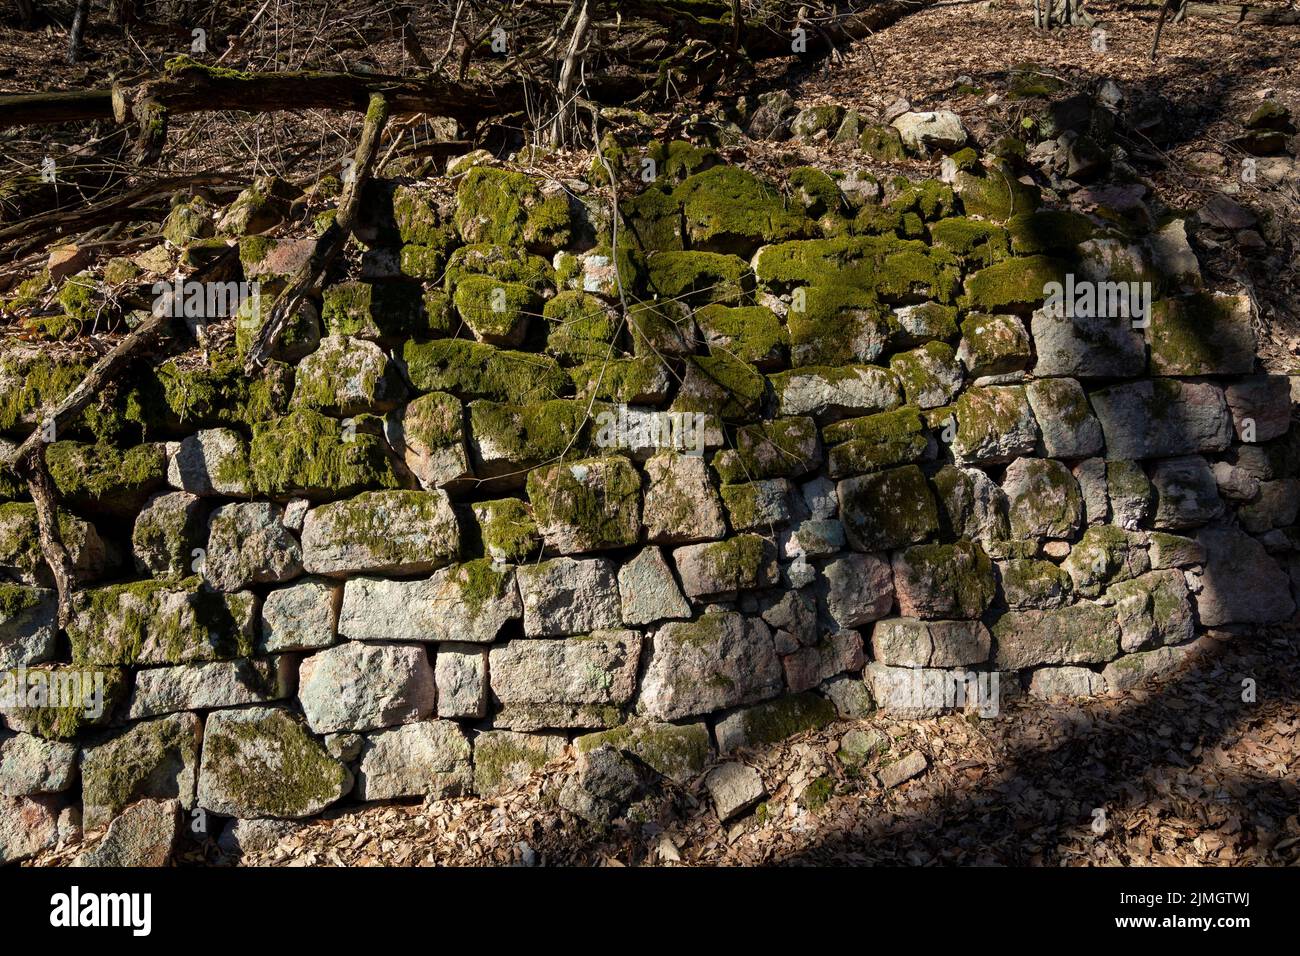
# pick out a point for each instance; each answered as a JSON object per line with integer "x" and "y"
{"x": 153, "y": 758}
{"x": 929, "y": 199}
{"x": 347, "y": 376}
{"x": 504, "y": 759}
{"x": 875, "y": 442}
{"x": 721, "y": 385}
{"x": 836, "y": 325}
{"x": 102, "y": 478}
{"x": 883, "y": 144}
{"x": 218, "y": 392}
{"x": 509, "y": 439}
{"x": 188, "y": 221}
{"x": 507, "y": 208}
{"x": 587, "y": 505}
{"x": 639, "y": 380}
{"x": 380, "y": 311}
{"x": 930, "y": 375}
{"x": 582, "y": 327}
{"x": 262, "y": 762}
{"x": 1014, "y": 283}
{"x": 973, "y": 241}
{"x": 475, "y": 370}
{"x": 309, "y": 454}
{"x": 20, "y": 550}
{"x": 507, "y": 530}
{"x": 888, "y": 509}
{"x": 815, "y": 192}
{"x": 994, "y": 424}
{"x": 993, "y": 344}
{"x": 678, "y": 751}
{"x": 782, "y": 448}
{"x": 996, "y": 195}
{"x": 751, "y": 334}
{"x": 775, "y": 720}
{"x": 502, "y": 263}
{"x": 61, "y": 702}
{"x": 1048, "y": 231}
{"x": 496, "y": 312}
{"x": 1202, "y": 334}
{"x": 160, "y": 622}
{"x": 661, "y": 327}
{"x": 699, "y": 278}
{"x": 727, "y": 209}
{"x": 1028, "y": 583}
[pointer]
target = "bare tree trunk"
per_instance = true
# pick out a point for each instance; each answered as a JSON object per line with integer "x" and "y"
{"x": 565, "y": 111}
{"x": 32, "y": 468}
{"x": 78, "y": 29}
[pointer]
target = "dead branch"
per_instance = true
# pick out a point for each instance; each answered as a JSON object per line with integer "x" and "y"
{"x": 31, "y": 467}
{"x": 312, "y": 272}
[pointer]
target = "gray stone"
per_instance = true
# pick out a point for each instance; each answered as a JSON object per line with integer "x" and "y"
{"x": 428, "y": 432}
{"x": 850, "y": 695}
{"x": 859, "y": 588}
{"x": 165, "y": 690}
{"x": 241, "y": 837}
{"x": 262, "y": 762}
{"x": 1275, "y": 507}
{"x": 1260, "y": 407}
{"x": 29, "y": 628}
{"x": 247, "y": 544}
{"x": 1241, "y": 584}
{"x": 504, "y": 759}
{"x": 915, "y": 692}
{"x": 1083, "y": 346}
{"x": 1065, "y": 420}
{"x": 735, "y": 788}
{"x": 1162, "y": 417}
{"x": 167, "y": 530}
{"x": 719, "y": 569}
{"x": 835, "y": 654}
{"x": 588, "y": 505}
{"x": 381, "y": 532}
{"x": 1174, "y": 551}
{"x": 1131, "y": 496}
{"x": 922, "y": 132}
{"x": 28, "y": 825}
{"x": 813, "y": 538}
{"x": 1054, "y": 683}
{"x": 213, "y": 461}
{"x": 568, "y": 596}
{"x": 347, "y": 376}
{"x": 1187, "y": 495}
{"x": 426, "y": 759}
{"x": 605, "y": 783}
{"x": 460, "y": 671}
{"x": 1172, "y": 255}
{"x": 1133, "y": 669}
{"x": 1091, "y": 476}
{"x": 681, "y": 505}
{"x": 20, "y": 551}
{"x": 819, "y": 498}
{"x": 357, "y": 686}
{"x": 1083, "y": 633}
{"x": 648, "y": 591}
{"x": 1153, "y": 610}
{"x": 153, "y": 758}
{"x": 895, "y": 774}
{"x": 833, "y": 393}
{"x": 1235, "y": 482}
{"x": 30, "y": 765}
{"x": 758, "y": 505}
{"x": 972, "y": 505}
{"x": 994, "y": 424}
{"x": 1202, "y": 334}
{"x": 721, "y": 660}
{"x": 300, "y": 617}
{"x": 142, "y": 836}
{"x": 910, "y": 642}
{"x": 565, "y": 683}
{"x": 793, "y": 618}
{"x": 465, "y": 602}
{"x": 1043, "y": 499}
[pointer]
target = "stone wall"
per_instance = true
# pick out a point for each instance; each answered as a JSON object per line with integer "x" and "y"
{"x": 441, "y": 541}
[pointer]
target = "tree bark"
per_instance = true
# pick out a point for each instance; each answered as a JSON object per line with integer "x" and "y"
{"x": 78, "y": 30}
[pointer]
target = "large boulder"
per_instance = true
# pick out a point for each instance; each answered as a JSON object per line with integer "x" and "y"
{"x": 1083, "y": 633}
{"x": 1162, "y": 417}
{"x": 1241, "y": 583}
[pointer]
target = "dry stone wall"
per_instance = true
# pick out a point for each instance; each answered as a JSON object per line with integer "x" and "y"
{"x": 775, "y": 453}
